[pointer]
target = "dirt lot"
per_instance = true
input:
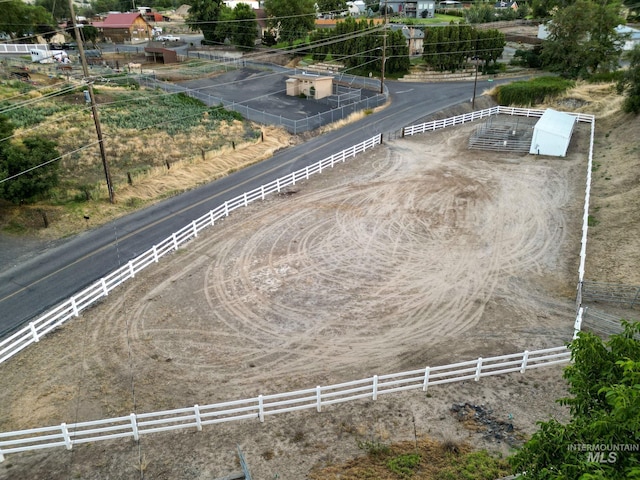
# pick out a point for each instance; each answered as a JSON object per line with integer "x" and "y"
{"x": 418, "y": 253}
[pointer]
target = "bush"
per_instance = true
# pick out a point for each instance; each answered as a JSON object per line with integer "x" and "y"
{"x": 528, "y": 58}
{"x": 404, "y": 465}
{"x": 532, "y": 92}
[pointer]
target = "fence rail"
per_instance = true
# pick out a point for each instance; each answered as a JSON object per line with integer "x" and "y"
{"x": 602, "y": 322}
{"x": 257, "y": 408}
{"x": 340, "y": 111}
{"x": 625, "y": 295}
{"x": 135, "y": 425}
{"x": 528, "y": 112}
{"x": 101, "y": 288}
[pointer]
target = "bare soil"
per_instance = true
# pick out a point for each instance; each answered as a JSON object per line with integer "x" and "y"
{"x": 419, "y": 253}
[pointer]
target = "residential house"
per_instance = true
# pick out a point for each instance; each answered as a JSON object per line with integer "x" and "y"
{"x": 125, "y": 28}
{"x": 156, "y": 17}
{"x": 503, "y": 5}
{"x": 631, "y": 37}
{"x": 411, "y": 8}
{"x": 356, "y": 8}
{"x": 414, "y": 37}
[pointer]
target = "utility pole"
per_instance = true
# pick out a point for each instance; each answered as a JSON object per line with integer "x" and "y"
{"x": 94, "y": 107}
{"x": 384, "y": 48}
{"x": 475, "y": 81}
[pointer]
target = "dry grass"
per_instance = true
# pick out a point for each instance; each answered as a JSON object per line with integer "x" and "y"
{"x": 438, "y": 461}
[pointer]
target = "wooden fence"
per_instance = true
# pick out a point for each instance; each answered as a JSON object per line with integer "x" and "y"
{"x": 529, "y": 112}
{"x": 257, "y": 408}
{"x": 72, "y": 307}
{"x": 134, "y": 425}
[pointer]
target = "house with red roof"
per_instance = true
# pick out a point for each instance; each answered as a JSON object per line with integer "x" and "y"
{"x": 125, "y": 28}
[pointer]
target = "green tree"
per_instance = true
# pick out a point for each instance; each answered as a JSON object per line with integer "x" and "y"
{"x": 6, "y": 131}
{"x": 630, "y": 83}
{"x": 331, "y": 6}
{"x": 292, "y": 19}
{"x": 59, "y": 9}
{"x": 398, "y": 61}
{"x": 31, "y": 153}
{"x": 582, "y": 39}
{"x": 104, "y": 6}
{"x": 19, "y": 19}
{"x": 245, "y": 27}
{"x": 204, "y": 15}
{"x": 88, "y": 33}
{"x": 480, "y": 13}
{"x": 604, "y": 383}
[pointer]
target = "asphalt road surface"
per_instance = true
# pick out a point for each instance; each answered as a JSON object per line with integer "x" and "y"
{"x": 44, "y": 280}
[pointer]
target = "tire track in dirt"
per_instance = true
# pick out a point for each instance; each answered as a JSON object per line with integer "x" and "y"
{"x": 404, "y": 252}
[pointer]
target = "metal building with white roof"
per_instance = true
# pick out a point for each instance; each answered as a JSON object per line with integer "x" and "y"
{"x": 552, "y": 133}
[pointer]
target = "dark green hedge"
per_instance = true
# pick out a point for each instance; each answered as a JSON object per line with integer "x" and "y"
{"x": 532, "y": 92}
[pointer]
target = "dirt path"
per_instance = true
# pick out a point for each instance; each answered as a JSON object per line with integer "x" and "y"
{"x": 419, "y": 253}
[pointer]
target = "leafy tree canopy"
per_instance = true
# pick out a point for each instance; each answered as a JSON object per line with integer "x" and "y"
{"x": 630, "y": 83}
{"x": 19, "y": 19}
{"x": 331, "y": 6}
{"x": 59, "y": 9}
{"x": 604, "y": 383}
{"x": 245, "y": 27}
{"x": 292, "y": 19}
{"x": 32, "y": 152}
{"x": 583, "y": 40}
{"x": 207, "y": 16}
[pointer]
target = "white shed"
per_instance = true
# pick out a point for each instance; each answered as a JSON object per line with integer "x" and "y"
{"x": 552, "y": 133}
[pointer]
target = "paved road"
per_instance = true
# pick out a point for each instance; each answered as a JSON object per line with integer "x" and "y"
{"x": 40, "y": 282}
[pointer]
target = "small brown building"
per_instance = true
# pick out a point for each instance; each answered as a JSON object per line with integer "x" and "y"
{"x": 125, "y": 28}
{"x": 311, "y": 85}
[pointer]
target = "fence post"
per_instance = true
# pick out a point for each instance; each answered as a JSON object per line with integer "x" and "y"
{"x": 34, "y": 333}
{"x": 74, "y": 306}
{"x": 318, "y": 398}
{"x": 260, "y": 408}
{"x": 425, "y": 384}
{"x": 375, "y": 387}
{"x": 104, "y": 286}
{"x": 578, "y": 324}
{"x": 196, "y": 410}
{"x": 195, "y": 229}
{"x": 525, "y": 358}
{"x": 65, "y": 435}
{"x": 175, "y": 241}
{"x": 134, "y": 427}
{"x": 130, "y": 265}
{"x": 226, "y": 209}
{"x": 478, "y": 369}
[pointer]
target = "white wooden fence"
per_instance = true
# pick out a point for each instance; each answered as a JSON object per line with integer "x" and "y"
{"x": 21, "y": 48}
{"x": 528, "y": 112}
{"x": 257, "y": 408}
{"x": 135, "y": 425}
{"x": 85, "y": 298}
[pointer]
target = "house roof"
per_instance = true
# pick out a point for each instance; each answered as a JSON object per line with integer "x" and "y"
{"x": 408, "y": 33}
{"x": 119, "y": 20}
{"x": 633, "y": 33}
